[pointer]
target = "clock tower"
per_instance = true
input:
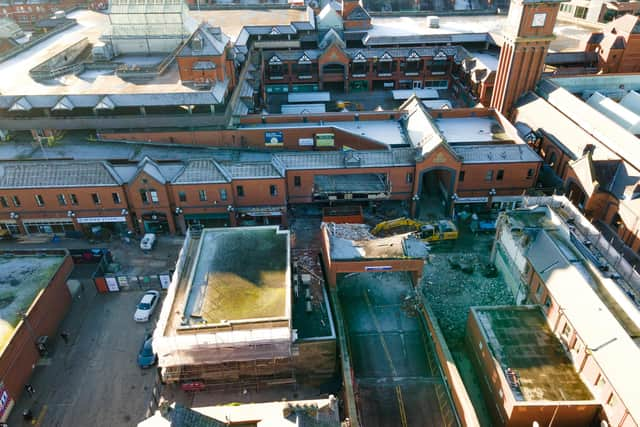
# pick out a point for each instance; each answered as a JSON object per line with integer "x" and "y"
{"x": 527, "y": 34}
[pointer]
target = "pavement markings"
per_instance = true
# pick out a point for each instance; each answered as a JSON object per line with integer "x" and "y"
{"x": 38, "y": 420}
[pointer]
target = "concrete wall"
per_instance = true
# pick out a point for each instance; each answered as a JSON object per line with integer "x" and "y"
{"x": 18, "y": 359}
{"x": 316, "y": 359}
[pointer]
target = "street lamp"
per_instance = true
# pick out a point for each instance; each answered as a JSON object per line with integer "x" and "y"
{"x": 178, "y": 211}
{"x": 14, "y": 215}
{"x": 492, "y": 192}
{"x": 124, "y": 212}
{"x": 230, "y": 208}
{"x": 71, "y": 214}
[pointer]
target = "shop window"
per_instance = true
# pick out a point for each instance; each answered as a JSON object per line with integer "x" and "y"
{"x": 16, "y": 201}
{"x": 489, "y": 175}
{"x": 116, "y": 198}
{"x": 3, "y": 202}
{"x": 62, "y": 201}
{"x": 273, "y": 190}
{"x": 154, "y": 196}
{"x": 500, "y": 175}
{"x": 223, "y": 194}
{"x": 461, "y": 176}
{"x": 297, "y": 182}
{"x": 240, "y": 190}
{"x": 182, "y": 196}
{"x": 581, "y": 12}
{"x": 409, "y": 178}
{"x": 202, "y": 195}
{"x": 39, "y": 200}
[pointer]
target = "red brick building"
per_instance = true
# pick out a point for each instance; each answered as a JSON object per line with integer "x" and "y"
{"x": 617, "y": 45}
{"x": 36, "y": 315}
{"x": 27, "y": 13}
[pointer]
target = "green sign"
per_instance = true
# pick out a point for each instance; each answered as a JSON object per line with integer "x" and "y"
{"x": 324, "y": 140}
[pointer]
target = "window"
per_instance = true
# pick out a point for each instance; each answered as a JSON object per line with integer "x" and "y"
{"x": 539, "y": 291}
{"x": 461, "y": 176}
{"x": 182, "y": 196}
{"x": 500, "y": 175}
{"x": 530, "y": 173}
{"x": 600, "y": 381}
{"x": 547, "y": 303}
{"x": 223, "y": 194}
{"x": 202, "y": 194}
{"x": 240, "y": 190}
{"x": 581, "y": 12}
{"x": 552, "y": 159}
{"x": 3, "y": 202}
{"x": 154, "y": 196}
{"x": 144, "y": 196}
{"x": 273, "y": 190}
{"x": 567, "y": 330}
{"x": 116, "y": 198}
{"x": 611, "y": 401}
{"x": 297, "y": 182}
{"x": 62, "y": 201}
{"x": 39, "y": 200}
{"x": 489, "y": 175}
{"x": 74, "y": 199}
{"x": 16, "y": 201}
{"x": 96, "y": 198}
{"x": 409, "y": 178}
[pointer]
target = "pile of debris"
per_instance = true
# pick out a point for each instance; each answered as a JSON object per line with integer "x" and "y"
{"x": 350, "y": 231}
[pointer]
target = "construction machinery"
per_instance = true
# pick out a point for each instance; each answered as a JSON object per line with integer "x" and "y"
{"x": 434, "y": 231}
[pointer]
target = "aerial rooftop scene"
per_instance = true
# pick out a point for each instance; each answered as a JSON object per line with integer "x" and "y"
{"x": 345, "y": 213}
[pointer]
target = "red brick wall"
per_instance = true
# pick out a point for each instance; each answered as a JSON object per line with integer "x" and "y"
{"x": 257, "y": 192}
{"x": 223, "y": 69}
{"x": 136, "y": 206}
{"x": 513, "y": 183}
{"x": 19, "y": 357}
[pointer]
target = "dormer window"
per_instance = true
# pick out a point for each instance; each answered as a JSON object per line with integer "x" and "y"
{"x": 413, "y": 64}
{"x": 276, "y": 68}
{"x": 196, "y": 43}
{"x": 303, "y": 67}
{"x": 359, "y": 66}
{"x": 384, "y": 66}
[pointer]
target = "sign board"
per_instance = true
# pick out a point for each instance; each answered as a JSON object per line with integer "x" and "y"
{"x": 4, "y": 401}
{"x": 112, "y": 284}
{"x": 123, "y": 281}
{"x": 305, "y": 142}
{"x": 165, "y": 281}
{"x": 324, "y": 140}
{"x": 273, "y": 139}
{"x": 472, "y": 200}
{"x": 378, "y": 268}
{"x": 97, "y": 219}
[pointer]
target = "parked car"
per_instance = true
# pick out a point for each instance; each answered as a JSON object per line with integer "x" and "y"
{"x": 147, "y": 242}
{"x": 146, "y": 306}
{"x": 146, "y": 356}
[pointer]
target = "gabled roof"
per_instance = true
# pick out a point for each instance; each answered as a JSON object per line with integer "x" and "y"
{"x": 105, "y": 104}
{"x": 152, "y": 169}
{"x": 332, "y": 37}
{"x": 21, "y": 105}
{"x": 359, "y": 14}
{"x": 583, "y": 168}
{"x": 213, "y": 41}
{"x": 420, "y": 128}
{"x": 64, "y": 104}
{"x": 328, "y": 18}
{"x": 628, "y": 24}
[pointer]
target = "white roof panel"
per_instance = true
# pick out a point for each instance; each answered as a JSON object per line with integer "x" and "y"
{"x": 308, "y": 97}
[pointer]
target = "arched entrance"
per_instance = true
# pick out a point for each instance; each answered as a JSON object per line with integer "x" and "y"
{"x": 436, "y": 187}
{"x": 333, "y": 75}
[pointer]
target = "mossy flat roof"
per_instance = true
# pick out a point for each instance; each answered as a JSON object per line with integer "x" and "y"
{"x": 520, "y": 339}
{"x": 240, "y": 274}
{"x": 22, "y": 277}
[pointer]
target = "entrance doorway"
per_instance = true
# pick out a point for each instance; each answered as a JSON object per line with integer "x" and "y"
{"x": 417, "y": 84}
{"x": 436, "y": 189}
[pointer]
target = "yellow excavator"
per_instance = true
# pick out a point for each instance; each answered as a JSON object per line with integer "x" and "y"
{"x": 428, "y": 231}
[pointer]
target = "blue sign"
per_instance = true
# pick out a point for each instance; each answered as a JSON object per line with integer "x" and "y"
{"x": 274, "y": 139}
{"x": 378, "y": 268}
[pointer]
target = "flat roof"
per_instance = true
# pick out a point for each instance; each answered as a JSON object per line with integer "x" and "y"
{"x": 470, "y": 129}
{"x": 22, "y": 277}
{"x": 239, "y": 274}
{"x": 521, "y": 341}
{"x": 502, "y": 153}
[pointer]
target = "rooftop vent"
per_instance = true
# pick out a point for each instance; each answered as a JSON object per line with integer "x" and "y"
{"x": 433, "y": 21}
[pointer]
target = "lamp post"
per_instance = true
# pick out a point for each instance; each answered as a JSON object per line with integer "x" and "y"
{"x": 414, "y": 205}
{"x": 492, "y": 193}
{"x": 454, "y": 197}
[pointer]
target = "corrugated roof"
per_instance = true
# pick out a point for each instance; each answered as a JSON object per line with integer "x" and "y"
{"x": 55, "y": 173}
{"x": 251, "y": 170}
{"x": 335, "y": 159}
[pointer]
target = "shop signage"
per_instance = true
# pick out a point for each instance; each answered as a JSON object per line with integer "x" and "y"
{"x": 112, "y": 284}
{"x": 305, "y": 142}
{"x": 4, "y": 400}
{"x": 165, "y": 280}
{"x": 378, "y": 268}
{"x": 472, "y": 200}
{"x": 324, "y": 140}
{"x": 274, "y": 139}
{"x": 97, "y": 219}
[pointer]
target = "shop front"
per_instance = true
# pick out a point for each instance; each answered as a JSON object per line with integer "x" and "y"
{"x": 104, "y": 226}
{"x": 11, "y": 226}
{"x": 49, "y": 226}
{"x": 155, "y": 222}
{"x": 208, "y": 220}
{"x": 271, "y": 215}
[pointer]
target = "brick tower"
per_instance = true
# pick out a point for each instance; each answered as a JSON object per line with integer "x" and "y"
{"x": 527, "y": 35}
